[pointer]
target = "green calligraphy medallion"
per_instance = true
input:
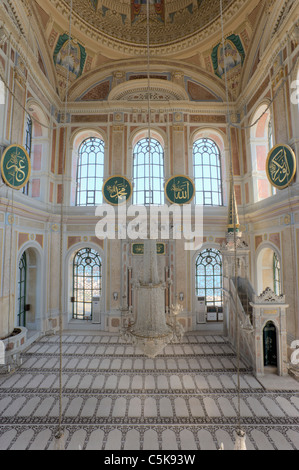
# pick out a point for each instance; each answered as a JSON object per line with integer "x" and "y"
{"x": 117, "y": 190}
{"x": 179, "y": 189}
{"x": 15, "y": 166}
{"x": 281, "y": 166}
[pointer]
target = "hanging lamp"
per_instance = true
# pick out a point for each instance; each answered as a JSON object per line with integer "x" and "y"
{"x": 59, "y": 443}
{"x": 151, "y": 331}
{"x": 233, "y": 235}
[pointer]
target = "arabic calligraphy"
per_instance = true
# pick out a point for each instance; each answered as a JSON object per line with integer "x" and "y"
{"x": 117, "y": 190}
{"x": 179, "y": 189}
{"x": 281, "y": 166}
{"x": 15, "y": 166}
{"x": 138, "y": 248}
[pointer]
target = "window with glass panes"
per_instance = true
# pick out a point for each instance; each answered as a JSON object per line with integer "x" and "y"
{"x": 148, "y": 172}
{"x": 207, "y": 173}
{"x": 90, "y": 172}
{"x": 208, "y": 276}
{"x": 276, "y": 274}
{"x": 87, "y": 282}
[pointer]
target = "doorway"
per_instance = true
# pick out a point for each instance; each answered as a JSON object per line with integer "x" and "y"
{"x": 270, "y": 345}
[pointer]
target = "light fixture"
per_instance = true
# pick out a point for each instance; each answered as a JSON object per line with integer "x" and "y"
{"x": 152, "y": 329}
{"x": 181, "y": 296}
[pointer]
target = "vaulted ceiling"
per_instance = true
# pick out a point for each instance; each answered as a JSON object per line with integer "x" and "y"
{"x": 109, "y": 44}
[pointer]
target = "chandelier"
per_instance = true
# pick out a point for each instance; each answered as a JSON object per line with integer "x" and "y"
{"x": 153, "y": 328}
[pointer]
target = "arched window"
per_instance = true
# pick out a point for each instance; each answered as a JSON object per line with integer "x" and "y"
{"x": 268, "y": 271}
{"x": 87, "y": 282}
{"x": 208, "y": 276}
{"x": 207, "y": 173}
{"x": 90, "y": 172}
{"x": 22, "y": 290}
{"x": 276, "y": 274}
{"x": 148, "y": 172}
{"x": 28, "y": 146}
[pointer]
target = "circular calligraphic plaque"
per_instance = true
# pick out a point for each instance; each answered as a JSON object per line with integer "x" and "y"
{"x": 117, "y": 190}
{"x": 281, "y": 166}
{"x": 179, "y": 189}
{"x": 15, "y": 166}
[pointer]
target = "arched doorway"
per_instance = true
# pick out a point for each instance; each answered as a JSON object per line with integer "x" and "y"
{"x": 270, "y": 344}
{"x": 28, "y": 309}
{"x": 22, "y": 291}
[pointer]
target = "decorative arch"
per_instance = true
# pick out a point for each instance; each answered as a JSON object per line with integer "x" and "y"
{"x": 137, "y": 90}
{"x": 29, "y": 299}
{"x": 268, "y": 273}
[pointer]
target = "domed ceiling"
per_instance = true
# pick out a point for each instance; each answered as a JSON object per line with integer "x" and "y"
{"x": 126, "y": 20}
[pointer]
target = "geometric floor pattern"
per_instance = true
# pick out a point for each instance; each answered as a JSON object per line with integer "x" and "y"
{"x": 114, "y": 398}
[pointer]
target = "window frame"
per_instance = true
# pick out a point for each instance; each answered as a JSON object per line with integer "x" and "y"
{"x": 83, "y": 195}
{"x": 151, "y": 172}
{"x": 81, "y": 255}
{"x": 206, "y": 195}
{"x": 276, "y": 274}
{"x": 201, "y": 289}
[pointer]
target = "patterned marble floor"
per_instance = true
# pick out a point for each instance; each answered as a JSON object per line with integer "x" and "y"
{"x": 114, "y": 398}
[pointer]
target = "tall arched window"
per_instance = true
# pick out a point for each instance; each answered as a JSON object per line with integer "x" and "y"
{"x": 276, "y": 274}
{"x": 148, "y": 172}
{"x": 208, "y": 276}
{"x": 90, "y": 172}
{"x": 207, "y": 173}
{"x": 87, "y": 282}
{"x": 22, "y": 290}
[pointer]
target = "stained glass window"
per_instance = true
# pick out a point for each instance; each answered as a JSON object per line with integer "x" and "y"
{"x": 90, "y": 172}
{"x": 207, "y": 173}
{"x": 87, "y": 282}
{"x": 208, "y": 279}
{"x": 148, "y": 172}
